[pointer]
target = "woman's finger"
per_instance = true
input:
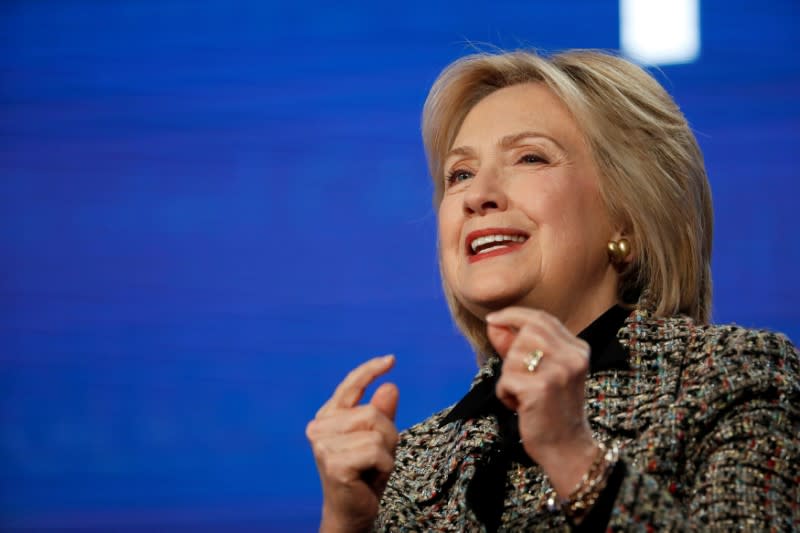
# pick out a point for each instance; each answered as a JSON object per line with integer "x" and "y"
{"x": 509, "y": 327}
{"x": 506, "y": 330}
{"x": 517, "y": 317}
{"x": 527, "y": 340}
{"x": 506, "y": 393}
{"x": 385, "y": 400}
{"x": 351, "y": 389}
{"x": 338, "y": 443}
{"x": 501, "y": 338}
{"x": 346, "y": 457}
{"x": 359, "y": 418}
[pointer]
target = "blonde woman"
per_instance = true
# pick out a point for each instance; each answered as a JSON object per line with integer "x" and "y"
{"x": 575, "y": 229}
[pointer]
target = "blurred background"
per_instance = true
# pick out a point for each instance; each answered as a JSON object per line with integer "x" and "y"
{"x": 211, "y": 210}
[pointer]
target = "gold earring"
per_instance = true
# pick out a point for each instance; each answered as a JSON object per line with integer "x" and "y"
{"x": 618, "y": 251}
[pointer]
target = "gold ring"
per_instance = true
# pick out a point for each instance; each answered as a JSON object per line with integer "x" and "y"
{"x": 532, "y": 360}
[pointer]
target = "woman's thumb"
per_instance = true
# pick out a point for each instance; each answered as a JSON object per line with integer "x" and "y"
{"x": 385, "y": 399}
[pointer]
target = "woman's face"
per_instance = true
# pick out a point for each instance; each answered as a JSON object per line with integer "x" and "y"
{"x": 521, "y": 221}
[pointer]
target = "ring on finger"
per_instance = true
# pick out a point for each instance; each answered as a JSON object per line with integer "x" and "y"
{"x": 532, "y": 360}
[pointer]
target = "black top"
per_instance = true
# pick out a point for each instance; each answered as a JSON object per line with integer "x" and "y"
{"x": 486, "y": 492}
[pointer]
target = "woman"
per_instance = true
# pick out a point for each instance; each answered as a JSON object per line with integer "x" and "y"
{"x": 575, "y": 240}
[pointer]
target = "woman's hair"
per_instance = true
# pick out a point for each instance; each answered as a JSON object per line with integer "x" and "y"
{"x": 652, "y": 177}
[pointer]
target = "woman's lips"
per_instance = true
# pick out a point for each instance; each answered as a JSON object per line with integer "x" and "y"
{"x": 491, "y": 242}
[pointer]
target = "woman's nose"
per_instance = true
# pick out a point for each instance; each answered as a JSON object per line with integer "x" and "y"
{"x": 485, "y": 194}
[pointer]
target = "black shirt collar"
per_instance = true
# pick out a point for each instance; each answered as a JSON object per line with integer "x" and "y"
{"x": 601, "y": 335}
{"x": 606, "y": 353}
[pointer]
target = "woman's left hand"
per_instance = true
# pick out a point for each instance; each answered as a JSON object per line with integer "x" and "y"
{"x": 549, "y": 400}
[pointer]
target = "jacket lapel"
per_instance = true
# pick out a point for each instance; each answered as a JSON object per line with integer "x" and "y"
{"x": 459, "y": 444}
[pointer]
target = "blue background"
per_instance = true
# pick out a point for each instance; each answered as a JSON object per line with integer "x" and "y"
{"x": 211, "y": 210}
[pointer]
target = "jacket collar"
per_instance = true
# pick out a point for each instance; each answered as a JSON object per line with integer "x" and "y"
{"x": 466, "y": 435}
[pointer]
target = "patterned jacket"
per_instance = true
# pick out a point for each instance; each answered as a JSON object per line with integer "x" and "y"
{"x": 708, "y": 418}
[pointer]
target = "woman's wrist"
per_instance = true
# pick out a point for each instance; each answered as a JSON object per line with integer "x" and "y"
{"x": 580, "y": 500}
{"x": 567, "y": 464}
{"x": 331, "y": 523}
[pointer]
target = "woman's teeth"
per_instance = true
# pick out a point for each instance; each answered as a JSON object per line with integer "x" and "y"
{"x": 484, "y": 244}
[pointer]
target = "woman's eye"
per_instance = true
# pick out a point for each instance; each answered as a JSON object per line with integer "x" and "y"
{"x": 531, "y": 158}
{"x": 458, "y": 175}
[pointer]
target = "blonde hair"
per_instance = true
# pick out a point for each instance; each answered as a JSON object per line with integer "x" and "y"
{"x": 653, "y": 180}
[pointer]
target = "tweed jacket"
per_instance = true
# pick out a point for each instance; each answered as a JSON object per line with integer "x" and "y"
{"x": 708, "y": 419}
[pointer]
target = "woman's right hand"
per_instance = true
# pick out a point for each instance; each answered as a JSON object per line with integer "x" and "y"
{"x": 354, "y": 447}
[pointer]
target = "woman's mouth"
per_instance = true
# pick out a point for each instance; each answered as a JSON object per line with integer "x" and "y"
{"x": 492, "y": 242}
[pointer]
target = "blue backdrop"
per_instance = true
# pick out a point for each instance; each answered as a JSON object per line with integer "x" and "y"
{"x": 211, "y": 210}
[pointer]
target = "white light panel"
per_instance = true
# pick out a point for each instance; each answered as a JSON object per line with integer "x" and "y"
{"x": 660, "y": 32}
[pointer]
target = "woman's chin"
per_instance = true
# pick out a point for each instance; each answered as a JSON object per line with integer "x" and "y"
{"x": 481, "y": 303}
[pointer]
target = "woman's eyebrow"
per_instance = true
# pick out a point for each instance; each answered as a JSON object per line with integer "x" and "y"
{"x": 511, "y": 140}
{"x": 506, "y": 142}
{"x": 461, "y": 150}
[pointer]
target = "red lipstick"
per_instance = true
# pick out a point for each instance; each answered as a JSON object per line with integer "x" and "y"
{"x": 507, "y": 246}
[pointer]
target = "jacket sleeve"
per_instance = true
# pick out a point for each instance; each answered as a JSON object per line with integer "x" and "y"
{"x": 739, "y": 400}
